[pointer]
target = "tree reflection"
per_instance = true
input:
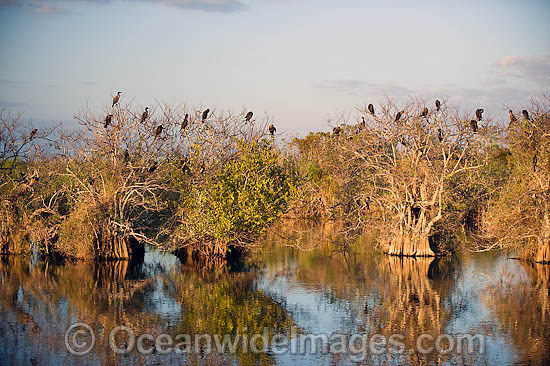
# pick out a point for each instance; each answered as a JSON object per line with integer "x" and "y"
{"x": 522, "y": 308}
{"x": 43, "y": 299}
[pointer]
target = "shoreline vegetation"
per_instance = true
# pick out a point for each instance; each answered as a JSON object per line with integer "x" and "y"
{"x": 421, "y": 179}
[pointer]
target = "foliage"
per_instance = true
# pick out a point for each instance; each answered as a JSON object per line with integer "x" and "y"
{"x": 518, "y": 217}
{"x": 236, "y": 203}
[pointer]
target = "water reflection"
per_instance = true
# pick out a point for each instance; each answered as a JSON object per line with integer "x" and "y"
{"x": 320, "y": 291}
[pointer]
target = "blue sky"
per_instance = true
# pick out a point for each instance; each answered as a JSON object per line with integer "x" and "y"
{"x": 300, "y": 61}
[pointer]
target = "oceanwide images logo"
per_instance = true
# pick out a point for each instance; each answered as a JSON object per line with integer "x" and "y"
{"x": 80, "y": 340}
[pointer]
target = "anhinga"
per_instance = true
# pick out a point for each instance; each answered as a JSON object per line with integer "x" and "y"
{"x": 439, "y": 134}
{"x": 185, "y": 122}
{"x": 398, "y": 116}
{"x": 158, "y": 131}
{"x": 248, "y": 116}
{"x": 33, "y": 133}
{"x": 116, "y": 99}
{"x": 525, "y": 114}
{"x": 479, "y": 113}
{"x": 272, "y": 129}
{"x": 108, "y": 120}
{"x": 126, "y": 155}
{"x": 205, "y": 114}
{"x": 473, "y": 125}
{"x": 371, "y": 109}
{"x": 185, "y": 165}
{"x": 363, "y": 123}
{"x": 424, "y": 112}
{"x": 512, "y": 116}
{"x": 437, "y": 105}
{"x": 336, "y": 130}
{"x": 144, "y": 115}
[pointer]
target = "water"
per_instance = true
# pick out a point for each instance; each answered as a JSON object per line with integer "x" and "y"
{"x": 282, "y": 291}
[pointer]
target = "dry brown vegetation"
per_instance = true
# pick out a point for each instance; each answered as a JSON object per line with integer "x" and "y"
{"x": 419, "y": 178}
{"x": 400, "y": 174}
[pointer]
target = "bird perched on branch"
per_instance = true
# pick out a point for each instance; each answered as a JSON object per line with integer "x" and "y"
{"x": 126, "y": 155}
{"x": 424, "y": 112}
{"x": 473, "y": 125}
{"x": 158, "y": 131}
{"x": 272, "y": 130}
{"x": 185, "y": 122}
{"x": 108, "y": 120}
{"x": 512, "y": 117}
{"x": 336, "y": 130}
{"x": 205, "y": 114}
{"x": 398, "y": 116}
{"x": 33, "y": 134}
{"x": 525, "y": 114}
{"x": 185, "y": 165}
{"x": 248, "y": 116}
{"x": 439, "y": 134}
{"x": 116, "y": 99}
{"x": 363, "y": 122}
{"x": 479, "y": 113}
{"x": 371, "y": 109}
{"x": 437, "y": 105}
{"x": 144, "y": 115}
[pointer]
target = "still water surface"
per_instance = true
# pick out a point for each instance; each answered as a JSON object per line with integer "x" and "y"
{"x": 289, "y": 293}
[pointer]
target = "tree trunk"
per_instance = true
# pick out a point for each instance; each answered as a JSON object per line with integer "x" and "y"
{"x": 113, "y": 244}
{"x": 410, "y": 245}
{"x": 543, "y": 253}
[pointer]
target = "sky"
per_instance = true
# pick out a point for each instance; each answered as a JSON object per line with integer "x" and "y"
{"x": 302, "y": 62}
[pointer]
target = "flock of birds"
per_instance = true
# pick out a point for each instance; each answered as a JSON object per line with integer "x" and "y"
{"x": 158, "y": 131}
{"x": 473, "y": 123}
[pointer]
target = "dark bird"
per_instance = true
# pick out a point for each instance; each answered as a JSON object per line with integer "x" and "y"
{"x": 363, "y": 123}
{"x": 116, "y": 99}
{"x": 272, "y": 129}
{"x": 371, "y": 109}
{"x": 525, "y": 114}
{"x": 535, "y": 162}
{"x": 158, "y": 131}
{"x": 248, "y": 116}
{"x": 398, "y": 115}
{"x": 336, "y": 130}
{"x": 473, "y": 125}
{"x": 153, "y": 167}
{"x": 479, "y": 113}
{"x": 185, "y": 122}
{"x": 512, "y": 116}
{"x": 33, "y": 134}
{"x": 126, "y": 155}
{"x": 437, "y": 105}
{"x": 185, "y": 166}
{"x": 205, "y": 114}
{"x": 424, "y": 112}
{"x": 439, "y": 134}
{"x": 144, "y": 115}
{"x": 108, "y": 120}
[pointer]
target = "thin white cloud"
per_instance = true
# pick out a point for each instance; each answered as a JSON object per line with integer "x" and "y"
{"x": 360, "y": 87}
{"x": 60, "y": 6}
{"x": 535, "y": 69}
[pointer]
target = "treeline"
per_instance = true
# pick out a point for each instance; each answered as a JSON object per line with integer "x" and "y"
{"x": 428, "y": 180}
{"x": 424, "y": 179}
{"x": 171, "y": 178}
